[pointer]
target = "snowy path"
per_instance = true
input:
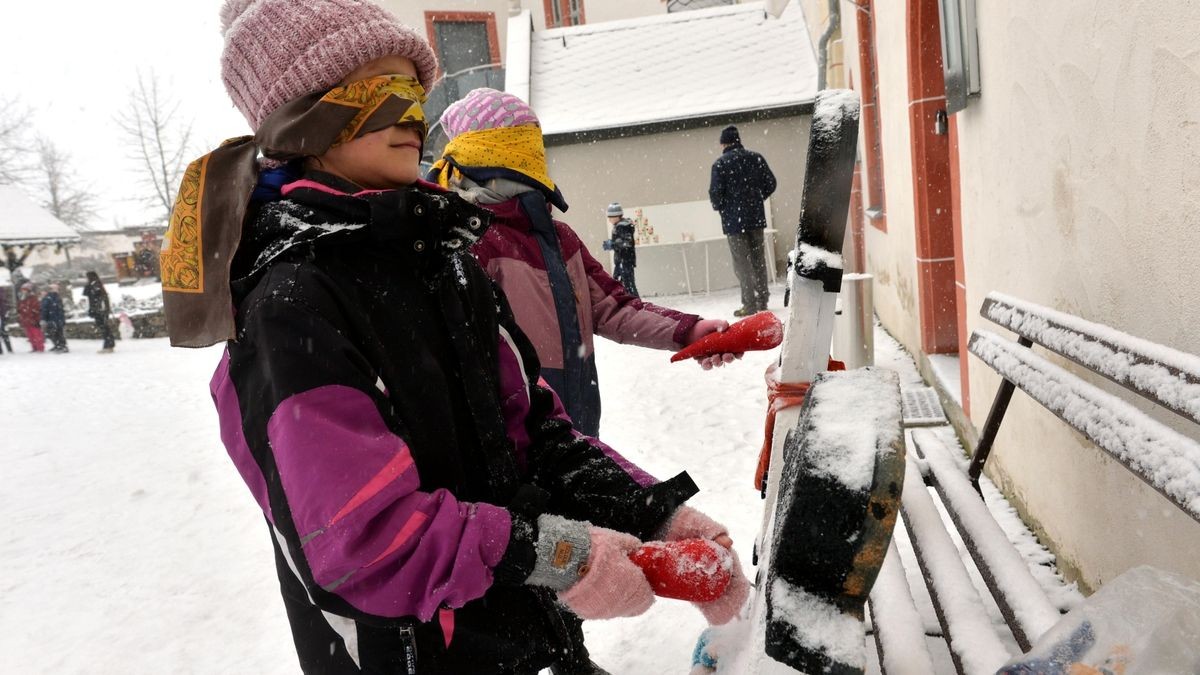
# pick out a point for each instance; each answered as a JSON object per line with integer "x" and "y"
{"x": 131, "y": 545}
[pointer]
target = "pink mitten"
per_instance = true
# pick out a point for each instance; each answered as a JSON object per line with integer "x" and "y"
{"x": 688, "y": 523}
{"x": 727, "y": 607}
{"x": 612, "y": 585}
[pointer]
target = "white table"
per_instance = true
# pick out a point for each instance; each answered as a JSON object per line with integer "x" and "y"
{"x": 692, "y": 250}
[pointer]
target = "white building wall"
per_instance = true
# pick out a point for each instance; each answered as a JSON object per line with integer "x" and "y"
{"x": 1080, "y": 190}
{"x": 675, "y": 167}
{"x": 611, "y": 10}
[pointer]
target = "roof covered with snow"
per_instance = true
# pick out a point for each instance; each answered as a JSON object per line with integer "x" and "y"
{"x": 675, "y": 66}
{"x": 22, "y": 221}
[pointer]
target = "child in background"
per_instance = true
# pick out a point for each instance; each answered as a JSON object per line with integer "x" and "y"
{"x": 623, "y": 244}
{"x": 431, "y": 507}
{"x": 560, "y": 294}
{"x": 54, "y": 319}
{"x": 4, "y": 341}
{"x": 29, "y": 316}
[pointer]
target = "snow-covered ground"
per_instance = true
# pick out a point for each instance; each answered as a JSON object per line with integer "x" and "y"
{"x": 131, "y": 545}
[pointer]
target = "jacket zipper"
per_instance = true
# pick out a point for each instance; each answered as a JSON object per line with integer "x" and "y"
{"x": 408, "y": 646}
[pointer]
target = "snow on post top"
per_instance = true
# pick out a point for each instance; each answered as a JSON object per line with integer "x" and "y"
{"x": 811, "y": 257}
{"x": 831, "y": 107}
{"x": 852, "y": 411}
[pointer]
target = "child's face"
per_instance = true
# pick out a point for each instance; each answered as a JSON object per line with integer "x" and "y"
{"x": 381, "y": 160}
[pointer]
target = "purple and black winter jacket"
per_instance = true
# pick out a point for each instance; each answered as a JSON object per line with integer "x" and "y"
{"x": 385, "y": 411}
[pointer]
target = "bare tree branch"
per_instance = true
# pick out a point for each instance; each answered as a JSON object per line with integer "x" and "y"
{"x": 14, "y": 142}
{"x": 158, "y": 141}
{"x": 70, "y": 202}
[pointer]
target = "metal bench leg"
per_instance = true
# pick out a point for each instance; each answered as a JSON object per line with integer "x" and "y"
{"x": 992, "y": 426}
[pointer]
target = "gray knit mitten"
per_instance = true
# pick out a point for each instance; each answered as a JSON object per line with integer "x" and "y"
{"x": 562, "y": 550}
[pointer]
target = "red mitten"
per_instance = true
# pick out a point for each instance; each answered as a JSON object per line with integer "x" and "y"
{"x": 727, "y": 607}
{"x": 612, "y": 586}
{"x": 690, "y": 569}
{"x": 754, "y": 333}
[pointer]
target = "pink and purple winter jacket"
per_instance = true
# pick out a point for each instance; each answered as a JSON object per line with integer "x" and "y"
{"x": 513, "y": 256}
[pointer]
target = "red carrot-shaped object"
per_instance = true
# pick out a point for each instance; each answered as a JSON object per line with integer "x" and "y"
{"x": 698, "y": 570}
{"x": 754, "y": 333}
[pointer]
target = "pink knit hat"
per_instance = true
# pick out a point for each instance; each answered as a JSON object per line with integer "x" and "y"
{"x": 486, "y": 109}
{"x": 278, "y": 50}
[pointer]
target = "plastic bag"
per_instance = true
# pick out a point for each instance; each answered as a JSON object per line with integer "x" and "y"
{"x": 1144, "y": 622}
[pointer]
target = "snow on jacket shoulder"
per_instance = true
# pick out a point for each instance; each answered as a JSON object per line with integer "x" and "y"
{"x": 383, "y": 408}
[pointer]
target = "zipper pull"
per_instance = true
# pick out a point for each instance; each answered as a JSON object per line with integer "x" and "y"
{"x": 408, "y": 646}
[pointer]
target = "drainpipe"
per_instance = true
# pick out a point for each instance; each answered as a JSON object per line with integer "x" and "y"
{"x": 835, "y": 22}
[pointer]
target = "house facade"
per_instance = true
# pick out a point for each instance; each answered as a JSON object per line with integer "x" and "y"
{"x": 1069, "y": 179}
{"x": 472, "y": 33}
{"x": 632, "y": 111}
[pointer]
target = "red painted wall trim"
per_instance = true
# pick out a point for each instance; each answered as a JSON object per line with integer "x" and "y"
{"x": 932, "y": 217}
{"x": 487, "y": 18}
{"x": 858, "y": 234}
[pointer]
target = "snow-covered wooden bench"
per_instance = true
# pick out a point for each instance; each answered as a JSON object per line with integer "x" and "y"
{"x": 1154, "y": 452}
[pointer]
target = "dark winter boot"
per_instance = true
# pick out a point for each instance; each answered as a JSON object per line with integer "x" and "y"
{"x": 744, "y": 311}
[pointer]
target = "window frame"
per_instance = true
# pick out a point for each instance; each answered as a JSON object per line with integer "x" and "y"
{"x": 487, "y": 18}
{"x": 563, "y": 13}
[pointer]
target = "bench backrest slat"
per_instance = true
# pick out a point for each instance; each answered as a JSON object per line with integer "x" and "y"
{"x": 1168, "y": 377}
{"x": 1159, "y": 455}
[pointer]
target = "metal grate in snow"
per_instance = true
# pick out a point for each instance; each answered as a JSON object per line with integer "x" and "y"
{"x": 922, "y": 407}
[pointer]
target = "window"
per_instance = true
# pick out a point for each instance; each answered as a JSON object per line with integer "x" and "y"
{"x": 563, "y": 13}
{"x": 463, "y": 40}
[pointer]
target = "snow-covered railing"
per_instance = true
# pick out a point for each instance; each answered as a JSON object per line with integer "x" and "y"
{"x": 1166, "y": 376}
{"x": 1159, "y": 455}
{"x": 1164, "y": 458}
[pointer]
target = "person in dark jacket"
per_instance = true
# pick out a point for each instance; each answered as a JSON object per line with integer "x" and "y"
{"x": 54, "y": 319}
{"x": 99, "y": 309}
{"x": 431, "y": 508}
{"x": 741, "y": 181}
{"x": 622, "y": 244}
{"x": 4, "y": 340}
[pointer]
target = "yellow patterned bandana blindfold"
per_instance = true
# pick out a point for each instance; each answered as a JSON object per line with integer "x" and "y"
{"x": 519, "y": 149}
{"x": 206, "y": 223}
{"x": 380, "y": 102}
